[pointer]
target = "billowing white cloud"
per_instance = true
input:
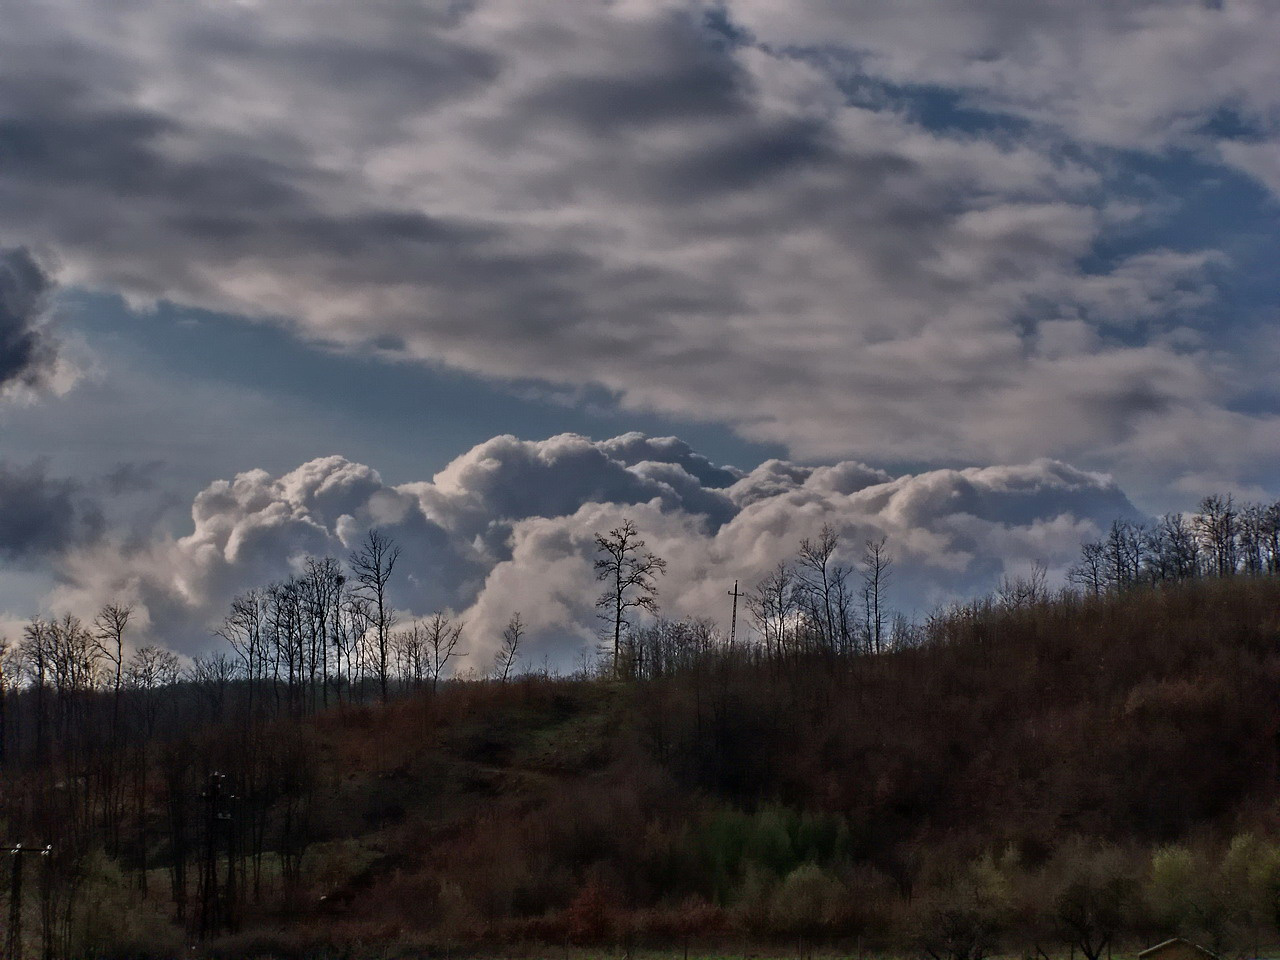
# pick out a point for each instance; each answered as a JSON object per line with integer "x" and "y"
{"x": 732, "y": 212}
{"x": 510, "y": 526}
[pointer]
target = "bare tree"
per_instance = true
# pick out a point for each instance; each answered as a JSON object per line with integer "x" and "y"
{"x": 243, "y": 629}
{"x": 34, "y": 656}
{"x": 442, "y": 636}
{"x": 72, "y": 660}
{"x": 1271, "y": 537}
{"x": 1174, "y": 551}
{"x": 816, "y": 561}
{"x": 147, "y": 672}
{"x": 285, "y": 641}
{"x": 151, "y": 668}
{"x": 8, "y": 676}
{"x": 666, "y": 647}
{"x": 772, "y": 605}
{"x": 1019, "y": 592}
{"x": 509, "y": 652}
{"x": 372, "y": 565}
{"x": 73, "y": 655}
{"x": 877, "y": 569}
{"x": 411, "y": 652}
{"x": 108, "y": 640}
{"x": 321, "y": 588}
{"x": 1216, "y": 525}
{"x": 1124, "y": 552}
{"x": 823, "y": 592}
{"x": 108, "y": 637}
{"x": 1252, "y": 537}
{"x": 628, "y": 571}
{"x": 1090, "y": 573}
{"x": 211, "y": 675}
{"x": 357, "y": 620}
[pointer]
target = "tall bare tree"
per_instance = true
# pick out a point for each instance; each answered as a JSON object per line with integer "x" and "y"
{"x": 409, "y": 648}
{"x": 34, "y": 655}
{"x": 877, "y": 569}
{"x": 372, "y": 565}
{"x": 628, "y": 570}
{"x": 509, "y": 652}
{"x": 108, "y": 640}
{"x": 1090, "y": 573}
{"x": 212, "y": 675}
{"x": 321, "y": 589}
{"x": 353, "y": 628}
{"x": 1217, "y": 527}
{"x": 823, "y": 591}
{"x": 772, "y": 605}
{"x": 1125, "y": 554}
{"x": 1174, "y": 550}
{"x": 244, "y": 630}
{"x": 442, "y": 636}
{"x": 108, "y": 636}
{"x": 8, "y": 664}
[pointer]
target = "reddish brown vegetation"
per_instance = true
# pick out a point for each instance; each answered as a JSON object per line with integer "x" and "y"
{"x": 991, "y": 786}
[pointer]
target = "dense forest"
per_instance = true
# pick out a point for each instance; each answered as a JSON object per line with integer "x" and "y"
{"x": 1034, "y": 773}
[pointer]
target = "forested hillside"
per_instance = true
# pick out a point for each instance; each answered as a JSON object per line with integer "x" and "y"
{"x": 1029, "y": 773}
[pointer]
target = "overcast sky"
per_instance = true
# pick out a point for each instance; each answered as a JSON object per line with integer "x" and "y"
{"x": 998, "y": 270}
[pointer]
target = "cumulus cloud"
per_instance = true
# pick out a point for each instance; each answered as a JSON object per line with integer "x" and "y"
{"x": 719, "y": 211}
{"x": 28, "y": 353}
{"x": 510, "y": 525}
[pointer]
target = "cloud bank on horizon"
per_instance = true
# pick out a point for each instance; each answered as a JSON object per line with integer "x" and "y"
{"x": 909, "y": 232}
{"x": 510, "y": 526}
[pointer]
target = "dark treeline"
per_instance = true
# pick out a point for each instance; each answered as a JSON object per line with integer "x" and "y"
{"x": 1223, "y": 539}
{"x": 112, "y": 756}
{"x": 810, "y": 608}
{"x": 1031, "y": 772}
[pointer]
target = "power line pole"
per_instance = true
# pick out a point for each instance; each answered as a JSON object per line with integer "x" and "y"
{"x": 13, "y": 940}
{"x": 13, "y": 943}
{"x": 217, "y": 897}
{"x": 733, "y": 622}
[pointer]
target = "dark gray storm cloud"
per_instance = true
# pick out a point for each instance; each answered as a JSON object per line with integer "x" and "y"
{"x": 27, "y": 351}
{"x": 42, "y": 516}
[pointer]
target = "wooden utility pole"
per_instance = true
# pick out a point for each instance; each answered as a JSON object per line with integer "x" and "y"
{"x": 733, "y": 620}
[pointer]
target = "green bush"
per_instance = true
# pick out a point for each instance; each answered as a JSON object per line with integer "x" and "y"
{"x": 810, "y": 902}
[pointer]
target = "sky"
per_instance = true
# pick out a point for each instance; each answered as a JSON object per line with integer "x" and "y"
{"x": 974, "y": 275}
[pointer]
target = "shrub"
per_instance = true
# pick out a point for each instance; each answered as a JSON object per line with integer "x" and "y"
{"x": 588, "y": 918}
{"x": 1183, "y": 896}
{"x": 810, "y": 903}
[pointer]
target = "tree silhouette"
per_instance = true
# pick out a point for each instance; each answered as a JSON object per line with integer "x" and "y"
{"x": 628, "y": 571}
{"x": 509, "y": 653}
{"x": 372, "y": 565}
